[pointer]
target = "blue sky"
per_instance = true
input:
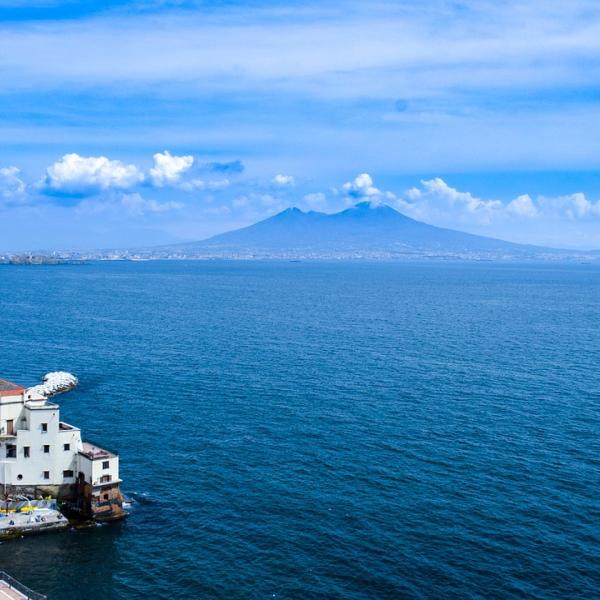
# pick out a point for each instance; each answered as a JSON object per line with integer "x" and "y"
{"x": 128, "y": 123}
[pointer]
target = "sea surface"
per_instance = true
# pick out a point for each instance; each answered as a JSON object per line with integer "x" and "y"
{"x": 322, "y": 430}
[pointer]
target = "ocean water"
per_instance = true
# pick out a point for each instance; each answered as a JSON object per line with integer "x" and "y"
{"x": 322, "y": 430}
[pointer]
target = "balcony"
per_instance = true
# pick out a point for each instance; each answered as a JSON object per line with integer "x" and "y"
{"x": 99, "y": 483}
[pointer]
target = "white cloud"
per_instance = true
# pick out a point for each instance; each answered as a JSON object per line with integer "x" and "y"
{"x": 481, "y": 89}
{"x": 437, "y": 187}
{"x": 173, "y": 171}
{"x": 135, "y": 204}
{"x": 523, "y": 206}
{"x": 325, "y": 50}
{"x": 572, "y": 206}
{"x": 75, "y": 174}
{"x": 571, "y": 220}
{"x": 361, "y": 187}
{"x": 169, "y": 169}
{"x": 193, "y": 185}
{"x": 437, "y": 200}
{"x": 12, "y": 187}
{"x": 218, "y": 184}
{"x": 283, "y": 180}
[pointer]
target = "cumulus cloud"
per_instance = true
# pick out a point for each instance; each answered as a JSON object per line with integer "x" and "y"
{"x": 569, "y": 220}
{"x": 178, "y": 172}
{"x": 75, "y": 174}
{"x": 283, "y": 180}
{"x": 169, "y": 169}
{"x": 436, "y": 196}
{"x": 12, "y": 187}
{"x": 80, "y": 176}
{"x": 436, "y": 201}
{"x": 523, "y": 206}
{"x": 573, "y": 206}
{"x": 361, "y": 187}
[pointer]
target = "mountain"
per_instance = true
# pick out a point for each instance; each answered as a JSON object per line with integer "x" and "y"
{"x": 366, "y": 229}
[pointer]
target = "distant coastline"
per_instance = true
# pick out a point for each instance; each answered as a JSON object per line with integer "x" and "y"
{"x": 133, "y": 256}
{"x": 38, "y": 259}
{"x": 365, "y": 231}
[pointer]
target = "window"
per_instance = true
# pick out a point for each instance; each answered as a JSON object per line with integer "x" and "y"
{"x": 105, "y": 464}
{"x": 67, "y": 473}
{"x": 66, "y": 447}
{"x": 46, "y": 474}
{"x": 105, "y": 478}
{"x": 46, "y": 448}
{"x": 106, "y": 496}
{"x": 19, "y": 476}
{"x": 11, "y": 451}
{"x": 26, "y": 451}
{"x": 44, "y": 427}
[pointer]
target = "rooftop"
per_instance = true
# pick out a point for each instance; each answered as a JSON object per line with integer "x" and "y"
{"x": 8, "y": 388}
{"x": 94, "y": 452}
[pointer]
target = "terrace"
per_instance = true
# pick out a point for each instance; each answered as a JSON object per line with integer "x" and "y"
{"x": 95, "y": 452}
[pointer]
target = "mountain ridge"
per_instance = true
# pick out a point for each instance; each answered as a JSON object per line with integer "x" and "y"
{"x": 363, "y": 229}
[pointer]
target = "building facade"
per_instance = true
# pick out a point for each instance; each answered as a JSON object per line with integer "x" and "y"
{"x": 41, "y": 455}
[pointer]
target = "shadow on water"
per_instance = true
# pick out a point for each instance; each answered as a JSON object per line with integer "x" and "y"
{"x": 71, "y": 565}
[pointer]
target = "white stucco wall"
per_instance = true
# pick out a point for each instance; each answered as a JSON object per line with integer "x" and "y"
{"x": 98, "y": 468}
{"x": 29, "y": 417}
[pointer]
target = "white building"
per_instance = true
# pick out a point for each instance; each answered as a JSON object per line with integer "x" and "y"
{"x": 42, "y": 455}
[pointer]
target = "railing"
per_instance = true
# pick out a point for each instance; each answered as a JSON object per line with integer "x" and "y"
{"x": 19, "y": 587}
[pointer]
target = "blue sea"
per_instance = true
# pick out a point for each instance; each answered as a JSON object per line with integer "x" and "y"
{"x": 322, "y": 430}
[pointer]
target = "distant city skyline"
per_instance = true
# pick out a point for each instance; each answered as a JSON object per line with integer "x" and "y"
{"x": 138, "y": 123}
